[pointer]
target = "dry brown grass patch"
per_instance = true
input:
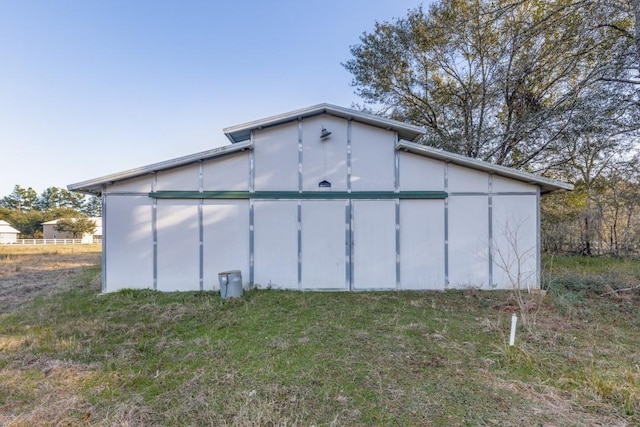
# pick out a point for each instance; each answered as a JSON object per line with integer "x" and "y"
{"x": 30, "y": 271}
{"x": 559, "y": 408}
{"x": 49, "y": 392}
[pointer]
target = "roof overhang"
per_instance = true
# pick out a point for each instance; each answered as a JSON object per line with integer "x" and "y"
{"x": 6, "y": 228}
{"x": 546, "y": 185}
{"x": 405, "y": 131}
{"x": 94, "y": 186}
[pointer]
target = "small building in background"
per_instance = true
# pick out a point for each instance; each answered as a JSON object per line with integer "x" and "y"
{"x": 8, "y": 234}
{"x": 49, "y": 231}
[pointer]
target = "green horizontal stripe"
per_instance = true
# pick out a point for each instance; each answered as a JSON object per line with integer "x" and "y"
{"x": 294, "y": 195}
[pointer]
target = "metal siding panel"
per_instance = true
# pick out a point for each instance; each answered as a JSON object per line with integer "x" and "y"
{"x": 324, "y": 159}
{"x": 421, "y": 243}
{"x": 515, "y": 236}
{"x": 501, "y": 184}
{"x": 276, "y": 158}
{"x": 182, "y": 178}
{"x": 372, "y": 158}
{"x": 435, "y": 153}
{"x": 142, "y": 185}
{"x": 467, "y": 180}
{"x": 323, "y": 245}
{"x": 468, "y": 242}
{"x": 226, "y": 239}
{"x": 374, "y": 248}
{"x": 178, "y": 245}
{"x": 230, "y": 173}
{"x": 276, "y": 244}
{"x": 128, "y": 243}
{"x": 420, "y": 173}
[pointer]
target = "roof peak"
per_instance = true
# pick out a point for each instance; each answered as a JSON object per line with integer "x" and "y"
{"x": 242, "y": 132}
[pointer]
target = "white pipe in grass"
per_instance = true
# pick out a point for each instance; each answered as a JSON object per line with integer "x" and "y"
{"x": 512, "y": 336}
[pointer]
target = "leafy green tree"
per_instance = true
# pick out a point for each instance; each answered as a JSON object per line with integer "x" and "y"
{"x": 92, "y": 207}
{"x": 76, "y": 226}
{"x": 29, "y": 223}
{"x": 501, "y": 80}
{"x": 50, "y": 198}
{"x": 71, "y": 199}
{"x": 55, "y": 197}
{"x": 57, "y": 213}
{"x": 21, "y": 199}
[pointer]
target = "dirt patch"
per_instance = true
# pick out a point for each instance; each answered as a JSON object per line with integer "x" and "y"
{"x": 25, "y": 276}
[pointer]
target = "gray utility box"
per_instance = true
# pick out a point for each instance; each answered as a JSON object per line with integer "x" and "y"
{"x": 230, "y": 284}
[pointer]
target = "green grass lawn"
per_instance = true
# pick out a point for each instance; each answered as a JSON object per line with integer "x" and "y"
{"x": 292, "y": 358}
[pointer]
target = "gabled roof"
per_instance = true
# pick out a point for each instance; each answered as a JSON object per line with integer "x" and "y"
{"x": 243, "y": 132}
{"x": 546, "y": 185}
{"x": 240, "y": 136}
{"x": 5, "y": 228}
{"x": 94, "y": 186}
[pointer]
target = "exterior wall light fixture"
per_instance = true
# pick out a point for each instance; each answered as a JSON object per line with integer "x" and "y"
{"x": 324, "y": 133}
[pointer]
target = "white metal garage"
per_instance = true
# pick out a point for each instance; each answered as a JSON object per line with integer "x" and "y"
{"x": 323, "y": 198}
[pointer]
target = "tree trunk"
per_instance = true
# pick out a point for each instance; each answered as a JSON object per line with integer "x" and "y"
{"x": 586, "y": 250}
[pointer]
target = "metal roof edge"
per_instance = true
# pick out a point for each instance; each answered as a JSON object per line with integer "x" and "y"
{"x": 5, "y": 227}
{"x": 55, "y": 221}
{"x": 546, "y": 184}
{"x": 88, "y": 187}
{"x": 242, "y": 131}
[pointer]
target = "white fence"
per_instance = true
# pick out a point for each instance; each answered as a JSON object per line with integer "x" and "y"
{"x": 53, "y": 242}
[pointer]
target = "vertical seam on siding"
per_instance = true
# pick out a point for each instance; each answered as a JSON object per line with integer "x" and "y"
{"x": 351, "y": 247}
{"x": 490, "y": 229}
{"x": 396, "y": 185}
{"x": 251, "y": 244}
{"x": 446, "y": 227}
{"x": 349, "y": 213}
{"x": 104, "y": 239}
{"x": 299, "y": 156}
{"x": 154, "y": 232}
{"x": 299, "y": 207}
{"x": 347, "y": 240}
{"x": 538, "y": 241}
{"x": 397, "y": 203}
{"x": 299, "y": 204}
{"x": 252, "y": 177}
{"x": 349, "y": 156}
{"x": 201, "y": 227}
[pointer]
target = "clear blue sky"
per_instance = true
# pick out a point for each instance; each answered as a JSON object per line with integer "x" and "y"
{"x": 89, "y": 88}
